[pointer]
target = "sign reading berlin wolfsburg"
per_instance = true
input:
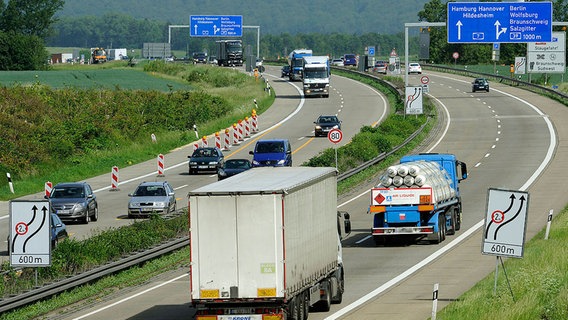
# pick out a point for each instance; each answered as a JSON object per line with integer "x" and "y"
{"x": 490, "y": 22}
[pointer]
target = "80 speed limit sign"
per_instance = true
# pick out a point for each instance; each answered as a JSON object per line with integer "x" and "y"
{"x": 335, "y": 135}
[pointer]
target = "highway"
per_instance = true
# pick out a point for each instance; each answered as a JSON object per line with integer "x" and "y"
{"x": 501, "y": 135}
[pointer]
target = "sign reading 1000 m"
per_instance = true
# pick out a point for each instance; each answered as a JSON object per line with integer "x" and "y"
{"x": 494, "y": 22}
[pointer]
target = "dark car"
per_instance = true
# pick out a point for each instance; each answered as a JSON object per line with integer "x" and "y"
{"x": 232, "y": 167}
{"x": 206, "y": 159}
{"x": 272, "y": 153}
{"x": 58, "y": 231}
{"x": 152, "y": 198}
{"x": 324, "y": 124}
{"x": 285, "y": 71}
{"x": 350, "y": 60}
{"x": 200, "y": 57}
{"x": 480, "y": 84}
{"x": 74, "y": 201}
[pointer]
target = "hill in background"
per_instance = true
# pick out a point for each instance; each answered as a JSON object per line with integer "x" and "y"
{"x": 273, "y": 17}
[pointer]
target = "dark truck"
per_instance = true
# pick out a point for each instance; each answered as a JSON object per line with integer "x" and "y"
{"x": 230, "y": 53}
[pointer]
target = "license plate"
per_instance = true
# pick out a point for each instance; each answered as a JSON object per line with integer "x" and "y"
{"x": 203, "y": 167}
{"x": 64, "y": 211}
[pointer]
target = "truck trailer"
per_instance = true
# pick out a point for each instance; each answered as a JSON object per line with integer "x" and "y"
{"x": 230, "y": 53}
{"x": 418, "y": 198}
{"x": 316, "y": 75}
{"x": 265, "y": 244}
{"x": 295, "y": 61}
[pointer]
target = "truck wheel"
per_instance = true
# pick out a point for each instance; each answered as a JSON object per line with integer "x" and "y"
{"x": 443, "y": 227}
{"x": 302, "y": 313}
{"x": 458, "y": 221}
{"x": 324, "y": 305}
{"x": 293, "y": 309}
{"x": 452, "y": 224}
{"x": 439, "y": 235}
{"x": 338, "y": 282}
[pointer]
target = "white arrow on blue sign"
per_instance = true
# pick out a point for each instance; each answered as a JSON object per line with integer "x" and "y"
{"x": 509, "y": 22}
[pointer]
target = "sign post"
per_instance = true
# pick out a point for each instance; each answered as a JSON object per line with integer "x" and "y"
{"x": 335, "y": 136}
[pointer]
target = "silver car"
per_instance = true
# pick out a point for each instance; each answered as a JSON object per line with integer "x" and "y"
{"x": 152, "y": 198}
{"x": 74, "y": 201}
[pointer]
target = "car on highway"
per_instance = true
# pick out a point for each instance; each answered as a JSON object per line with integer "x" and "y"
{"x": 74, "y": 201}
{"x": 350, "y": 60}
{"x": 152, "y": 198}
{"x": 325, "y": 123}
{"x": 414, "y": 67}
{"x": 337, "y": 62}
{"x": 233, "y": 167}
{"x": 206, "y": 159}
{"x": 272, "y": 153}
{"x": 381, "y": 67}
{"x": 200, "y": 57}
{"x": 480, "y": 84}
{"x": 58, "y": 231}
{"x": 285, "y": 71}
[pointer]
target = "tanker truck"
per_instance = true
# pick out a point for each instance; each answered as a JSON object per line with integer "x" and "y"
{"x": 418, "y": 199}
{"x": 266, "y": 244}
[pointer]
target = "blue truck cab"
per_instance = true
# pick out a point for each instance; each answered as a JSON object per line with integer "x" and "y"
{"x": 272, "y": 153}
{"x": 425, "y": 203}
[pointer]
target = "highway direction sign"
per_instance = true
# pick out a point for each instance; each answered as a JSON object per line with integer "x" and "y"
{"x": 215, "y": 26}
{"x": 505, "y": 223}
{"x": 30, "y": 240}
{"x": 487, "y": 22}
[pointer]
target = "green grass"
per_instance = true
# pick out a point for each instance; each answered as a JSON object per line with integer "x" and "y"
{"x": 539, "y": 283}
{"x": 126, "y": 79}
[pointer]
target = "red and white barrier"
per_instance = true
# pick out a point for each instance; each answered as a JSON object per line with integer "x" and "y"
{"x": 160, "y": 165}
{"x": 247, "y": 127}
{"x": 241, "y": 134}
{"x": 114, "y": 179}
{"x": 48, "y": 188}
{"x": 235, "y": 135}
{"x": 227, "y": 140}
{"x": 217, "y": 140}
{"x": 204, "y": 141}
{"x": 195, "y": 145}
{"x": 254, "y": 123}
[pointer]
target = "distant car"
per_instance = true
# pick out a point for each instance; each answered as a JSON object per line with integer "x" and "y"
{"x": 213, "y": 60}
{"x": 337, "y": 62}
{"x": 58, "y": 231}
{"x": 480, "y": 84}
{"x": 232, "y": 167}
{"x": 200, "y": 57}
{"x": 152, "y": 198}
{"x": 170, "y": 59}
{"x": 414, "y": 67}
{"x": 272, "y": 153}
{"x": 324, "y": 124}
{"x": 206, "y": 159}
{"x": 350, "y": 59}
{"x": 285, "y": 71}
{"x": 381, "y": 67}
{"x": 74, "y": 201}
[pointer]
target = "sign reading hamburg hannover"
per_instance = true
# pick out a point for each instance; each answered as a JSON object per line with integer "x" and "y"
{"x": 215, "y": 26}
{"x": 488, "y": 22}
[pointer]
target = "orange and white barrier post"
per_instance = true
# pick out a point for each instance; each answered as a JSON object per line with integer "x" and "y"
{"x": 247, "y": 127}
{"x": 160, "y": 165}
{"x": 204, "y": 141}
{"x": 235, "y": 135}
{"x": 217, "y": 140}
{"x": 254, "y": 121}
{"x": 195, "y": 145}
{"x": 114, "y": 179}
{"x": 227, "y": 140}
{"x": 241, "y": 135}
{"x": 48, "y": 188}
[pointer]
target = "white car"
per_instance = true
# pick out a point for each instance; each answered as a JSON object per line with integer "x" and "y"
{"x": 337, "y": 62}
{"x": 414, "y": 67}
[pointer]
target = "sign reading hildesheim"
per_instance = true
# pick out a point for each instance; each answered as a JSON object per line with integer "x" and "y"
{"x": 216, "y": 26}
{"x": 488, "y": 22}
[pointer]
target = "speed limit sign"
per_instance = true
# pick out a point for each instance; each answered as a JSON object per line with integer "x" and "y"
{"x": 335, "y": 136}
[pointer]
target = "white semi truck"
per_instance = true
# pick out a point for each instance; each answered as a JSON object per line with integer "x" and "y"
{"x": 265, "y": 244}
{"x": 316, "y": 75}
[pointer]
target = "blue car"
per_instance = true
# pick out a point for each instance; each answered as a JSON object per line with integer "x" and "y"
{"x": 232, "y": 167}
{"x": 272, "y": 153}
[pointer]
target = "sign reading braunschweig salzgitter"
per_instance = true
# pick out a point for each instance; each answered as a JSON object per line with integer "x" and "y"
{"x": 488, "y": 22}
{"x": 215, "y": 26}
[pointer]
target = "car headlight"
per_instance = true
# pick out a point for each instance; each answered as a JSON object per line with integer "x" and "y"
{"x": 79, "y": 207}
{"x": 256, "y": 163}
{"x": 335, "y": 127}
{"x": 281, "y": 162}
{"x": 222, "y": 172}
{"x": 160, "y": 204}
{"x": 318, "y": 127}
{"x": 213, "y": 162}
{"x": 193, "y": 163}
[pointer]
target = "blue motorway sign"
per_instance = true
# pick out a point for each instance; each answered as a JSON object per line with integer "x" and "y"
{"x": 488, "y": 22}
{"x": 215, "y": 26}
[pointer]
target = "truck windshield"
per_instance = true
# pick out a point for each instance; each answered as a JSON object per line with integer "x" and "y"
{"x": 315, "y": 73}
{"x": 234, "y": 47}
